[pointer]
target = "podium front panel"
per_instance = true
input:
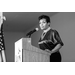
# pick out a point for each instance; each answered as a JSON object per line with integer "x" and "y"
{"x": 32, "y": 56}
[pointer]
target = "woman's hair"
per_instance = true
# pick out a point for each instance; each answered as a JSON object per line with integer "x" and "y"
{"x": 44, "y": 17}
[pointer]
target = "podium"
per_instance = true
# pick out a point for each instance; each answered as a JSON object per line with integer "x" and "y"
{"x": 25, "y": 52}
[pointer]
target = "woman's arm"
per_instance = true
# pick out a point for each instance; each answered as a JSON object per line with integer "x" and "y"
{"x": 56, "y": 48}
{"x": 58, "y": 42}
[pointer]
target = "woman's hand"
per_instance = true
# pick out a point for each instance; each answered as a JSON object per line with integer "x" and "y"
{"x": 47, "y": 50}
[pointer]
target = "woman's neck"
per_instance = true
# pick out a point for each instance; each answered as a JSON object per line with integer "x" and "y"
{"x": 46, "y": 30}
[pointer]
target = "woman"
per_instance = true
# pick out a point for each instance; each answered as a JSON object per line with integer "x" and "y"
{"x": 50, "y": 40}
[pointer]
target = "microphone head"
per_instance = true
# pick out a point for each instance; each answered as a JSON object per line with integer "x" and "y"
{"x": 36, "y": 29}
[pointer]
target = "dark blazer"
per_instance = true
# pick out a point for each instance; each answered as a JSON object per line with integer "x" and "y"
{"x": 50, "y": 40}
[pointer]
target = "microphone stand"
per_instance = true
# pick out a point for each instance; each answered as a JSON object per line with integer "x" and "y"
{"x": 29, "y": 36}
{"x": 31, "y": 32}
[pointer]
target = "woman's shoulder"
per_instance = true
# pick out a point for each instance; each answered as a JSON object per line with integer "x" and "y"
{"x": 53, "y": 30}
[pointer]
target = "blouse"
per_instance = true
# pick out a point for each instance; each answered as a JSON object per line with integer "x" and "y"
{"x": 50, "y": 40}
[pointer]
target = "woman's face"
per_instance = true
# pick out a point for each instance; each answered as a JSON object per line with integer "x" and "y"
{"x": 43, "y": 24}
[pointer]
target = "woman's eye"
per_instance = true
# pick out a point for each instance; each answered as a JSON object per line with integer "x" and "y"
{"x": 44, "y": 22}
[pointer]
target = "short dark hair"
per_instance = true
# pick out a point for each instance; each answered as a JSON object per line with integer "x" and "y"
{"x": 45, "y": 17}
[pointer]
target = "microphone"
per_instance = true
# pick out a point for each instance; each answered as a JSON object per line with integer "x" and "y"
{"x": 31, "y": 32}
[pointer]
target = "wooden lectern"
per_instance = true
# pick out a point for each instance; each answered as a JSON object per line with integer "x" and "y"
{"x": 25, "y": 52}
